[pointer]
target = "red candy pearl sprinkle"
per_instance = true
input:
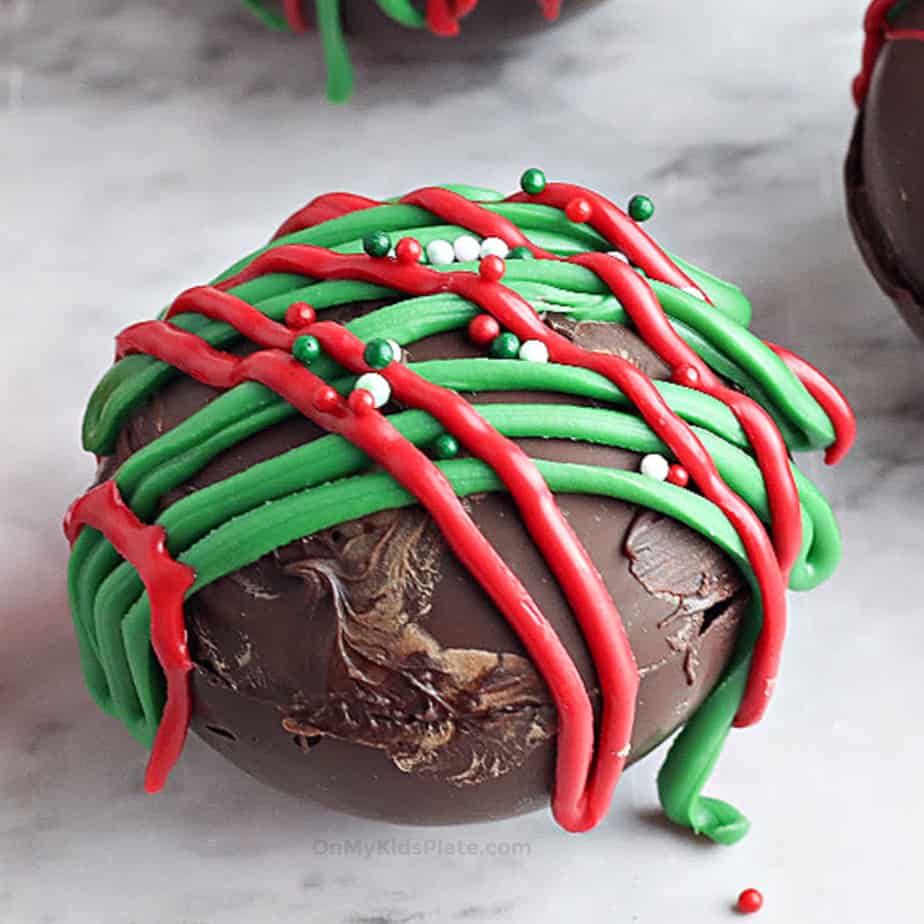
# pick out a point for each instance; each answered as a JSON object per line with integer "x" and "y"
{"x": 750, "y": 901}
{"x": 578, "y": 211}
{"x": 492, "y": 268}
{"x": 408, "y": 250}
{"x": 300, "y": 314}
{"x": 482, "y": 329}
{"x": 361, "y": 401}
{"x": 678, "y": 475}
{"x": 325, "y": 398}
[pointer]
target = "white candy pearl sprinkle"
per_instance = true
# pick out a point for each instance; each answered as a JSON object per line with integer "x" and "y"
{"x": 467, "y": 248}
{"x": 494, "y": 247}
{"x": 396, "y": 350}
{"x": 440, "y": 253}
{"x": 619, "y": 255}
{"x": 655, "y": 466}
{"x": 534, "y": 351}
{"x": 377, "y": 386}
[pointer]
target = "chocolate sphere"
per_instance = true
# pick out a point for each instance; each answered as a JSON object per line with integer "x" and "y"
{"x": 364, "y": 668}
{"x": 885, "y": 165}
{"x": 442, "y": 504}
{"x": 492, "y": 23}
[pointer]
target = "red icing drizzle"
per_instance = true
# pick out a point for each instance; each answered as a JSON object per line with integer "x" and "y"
{"x": 829, "y": 397}
{"x": 878, "y": 33}
{"x": 167, "y": 582}
{"x": 464, "y": 7}
{"x": 442, "y": 17}
{"x": 323, "y": 208}
{"x": 295, "y": 15}
{"x": 582, "y": 794}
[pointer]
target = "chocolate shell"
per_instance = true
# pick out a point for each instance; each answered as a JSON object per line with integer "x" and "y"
{"x": 885, "y": 169}
{"x": 364, "y": 668}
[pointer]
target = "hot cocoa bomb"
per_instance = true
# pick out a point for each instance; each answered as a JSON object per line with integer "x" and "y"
{"x": 428, "y": 512}
{"x": 426, "y": 30}
{"x": 885, "y": 163}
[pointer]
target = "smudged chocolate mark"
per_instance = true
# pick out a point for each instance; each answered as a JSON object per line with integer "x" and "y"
{"x": 221, "y": 732}
{"x": 236, "y": 667}
{"x": 604, "y": 337}
{"x": 251, "y": 587}
{"x": 462, "y": 715}
{"x": 673, "y": 563}
{"x": 305, "y": 742}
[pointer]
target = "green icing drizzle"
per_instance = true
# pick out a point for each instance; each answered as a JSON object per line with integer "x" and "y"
{"x": 404, "y": 12}
{"x": 336, "y": 56}
{"x": 717, "y": 335}
{"x": 267, "y": 16}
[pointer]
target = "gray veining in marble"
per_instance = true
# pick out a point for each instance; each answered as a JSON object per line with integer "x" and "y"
{"x": 144, "y": 145}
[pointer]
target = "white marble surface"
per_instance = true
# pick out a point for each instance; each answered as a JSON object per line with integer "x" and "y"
{"x": 144, "y": 145}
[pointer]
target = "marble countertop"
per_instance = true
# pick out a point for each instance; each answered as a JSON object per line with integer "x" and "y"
{"x": 145, "y": 145}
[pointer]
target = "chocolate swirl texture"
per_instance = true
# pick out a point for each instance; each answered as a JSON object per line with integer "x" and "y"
{"x": 544, "y": 319}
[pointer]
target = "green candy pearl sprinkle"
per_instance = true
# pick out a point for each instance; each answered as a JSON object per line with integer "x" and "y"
{"x": 520, "y": 253}
{"x": 306, "y": 349}
{"x": 641, "y": 208}
{"x": 505, "y": 346}
{"x": 377, "y": 244}
{"x": 532, "y": 181}
{"x": 378, "y": 354}
{"x": 445, "y": 446}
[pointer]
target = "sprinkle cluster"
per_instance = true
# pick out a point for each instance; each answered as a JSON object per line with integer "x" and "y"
{"x": 466, "y": 248}
{"x": 372, "y": 390}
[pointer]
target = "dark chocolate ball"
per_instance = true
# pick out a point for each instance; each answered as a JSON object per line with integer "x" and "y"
{"x": 363, "y": 667}
{"x": 885, "y": 169}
